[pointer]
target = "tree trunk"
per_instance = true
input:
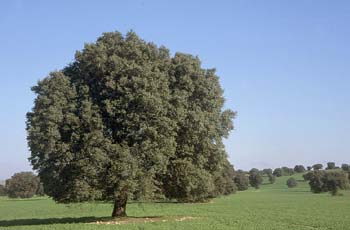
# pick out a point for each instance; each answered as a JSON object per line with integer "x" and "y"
{"x": 119, "y": 209}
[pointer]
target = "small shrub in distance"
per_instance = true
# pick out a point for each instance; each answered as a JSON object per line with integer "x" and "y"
{"x": 272, "y": 178}
{"x": 291, "y": 183}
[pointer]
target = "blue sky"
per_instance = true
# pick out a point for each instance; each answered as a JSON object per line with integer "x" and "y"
{"x": 284, "y": 66}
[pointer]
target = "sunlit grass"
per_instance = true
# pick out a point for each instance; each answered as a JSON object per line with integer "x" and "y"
{"x": 271, "y": 207}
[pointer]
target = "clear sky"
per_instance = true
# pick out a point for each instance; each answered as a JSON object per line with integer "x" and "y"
{"x": 284, "y": 66}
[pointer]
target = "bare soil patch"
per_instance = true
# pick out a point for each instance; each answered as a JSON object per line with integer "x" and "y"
{"x": 151, "y": 219}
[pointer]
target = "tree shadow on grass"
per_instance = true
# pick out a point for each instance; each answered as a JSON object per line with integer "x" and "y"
{"x": 64, "y": 220}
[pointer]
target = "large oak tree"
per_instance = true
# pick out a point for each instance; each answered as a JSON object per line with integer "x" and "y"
{"x": 127, "y": 120}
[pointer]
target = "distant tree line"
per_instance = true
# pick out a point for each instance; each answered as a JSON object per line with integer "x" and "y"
{"x": 228, "y": 181}
{"x": 330, "y": 177}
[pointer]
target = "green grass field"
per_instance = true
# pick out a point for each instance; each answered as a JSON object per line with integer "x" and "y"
{"x": 271, "y": 207}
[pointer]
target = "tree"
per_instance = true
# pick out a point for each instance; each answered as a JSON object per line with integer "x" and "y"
{"x": 125, "y": 120}
{"x": 22, "y": 185}
{"x": 241, "y": 180}
{"x": 272, "y": 178}
{"x": 267, "y": 171}
{"x": 291, "y": 182}
{"x": 254, "y": 171}
{"x": 277, "y": 172}
{"x": 309, "y": 168}
{"x": 317, "y": 166}
{"x": 334, "y": 181}
{"x": 307, "y": 176}
{"x": 287, "y": 171}
{"x": 345, "y": 167}
{"x": 315, "y": 181}
{"x": 2, "y": 190}
{"x": 299, "y": 169}
{"x": 327, "y": 181}
{"x": 255, "y": 179}
{"x": 330, "y": 165}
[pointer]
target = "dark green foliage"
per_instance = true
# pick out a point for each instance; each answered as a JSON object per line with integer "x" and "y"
{"x": 299, "y": 169}
{"x": 330, "y": 165}
{"x": 287, "y": 171}
{"x": 315, "y": 181}
{"x": 345, "y": 167}
{"x": 334, "y": 181}
{"x": 254, "y": 171}
{"x": 309, "y": 168}
{"x": 255, "y": 179}
{"x": 224, "y": 181}
{"x": 241, "y": 180}
{"x": 126, "y": 120}
{"x": 272, "y": 178}
{"x": 188, "y": 183}
{"x": 267, "y": 171}
{"x": 307, "y": 176}
{"x": 327, "y": 181}
{"x": 277, "y": 172}
{"x": 2, "y": 190}
{"x": 22, "y": 185}
{"x": 291, "y": 182}
{"x": 317, "y": 166}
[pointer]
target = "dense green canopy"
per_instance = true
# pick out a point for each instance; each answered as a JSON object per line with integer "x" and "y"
{"x": 126, "y": 119}
{"x": 22, "y": 185}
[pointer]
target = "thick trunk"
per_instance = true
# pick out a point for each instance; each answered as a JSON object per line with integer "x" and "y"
{"x": 119, "y": 209}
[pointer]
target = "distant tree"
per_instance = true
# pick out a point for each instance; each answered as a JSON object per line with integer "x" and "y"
{"x": 277, "y": 172}
{"x": 309, "y": 168}
{"x": 299, "y": 169}
{"x": 330, "y": 165}
{"x": 2, "y": 190}
{"x": 254, "y": 170}
{"x": 241, "y": 180}
{"x": 22, "y": 185}
{"x": 317, "y": 166}
{"x": 272, "y": 178}
{"x": 255, "y": 179}
{"x": 267, "y": 171}
{"x": 333, "y": 181}
{"x": 307, "y": 176}
{"x": 345, "y": 167}
{"x": 328, "y": 181}
{"x": 291, "y": 182}
{"x": 125, "y": 118}
{"x": 315, "y": 181}
{"x": 287, "y": 171}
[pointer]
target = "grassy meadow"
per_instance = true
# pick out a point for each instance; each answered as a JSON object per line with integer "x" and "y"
{"x": 271, "y": 207}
